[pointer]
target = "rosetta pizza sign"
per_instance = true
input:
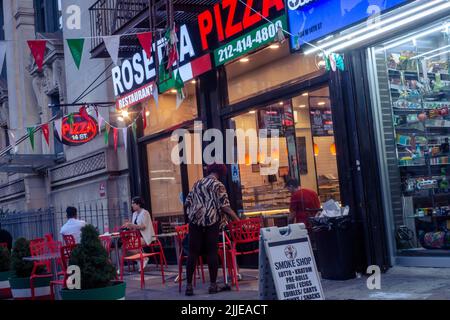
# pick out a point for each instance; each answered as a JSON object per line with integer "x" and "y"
{"x": 80, "y": 132}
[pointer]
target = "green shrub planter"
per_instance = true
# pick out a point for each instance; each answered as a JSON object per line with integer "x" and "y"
{"x": 5, "y": 289}
{"x": 20, "y": 288}
{"x": 114, "y": 292}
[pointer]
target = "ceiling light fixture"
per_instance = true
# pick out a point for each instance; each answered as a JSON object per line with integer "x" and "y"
{"x": 428, "y": 52}
{"x": 244, "y": 60}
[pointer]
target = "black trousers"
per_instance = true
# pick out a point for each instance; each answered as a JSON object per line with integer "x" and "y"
{"x": 203, "y": 240}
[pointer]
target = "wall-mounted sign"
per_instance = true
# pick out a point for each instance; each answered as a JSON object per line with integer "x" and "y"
{"x": 102, "y": 189}
{"x": 139, "y": 95}
{"x": 311, "y": 20}
{"x": 79, "y": 132}
{"x": 230, "y": 18}
{"x": 253, "y": 40}
{"x": 137, "y": 73}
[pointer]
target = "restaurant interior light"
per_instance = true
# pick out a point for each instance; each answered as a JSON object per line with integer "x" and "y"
{"x": 322, "y": 103}
{"x": 302, "y": 106}
{"x": 305, "y": 94}
{"x": 125, "y": 114}
{"x": 121, "y": 119}
{"x": 274, "y": 46}
{"x": 333, "y": 149}
{"x": 316, "y": 149}
{"x": 173, "y": 91}
{"x": 252, "y": 112}
{"x": 147, "y": 113}
{"x": 244, "y": 60}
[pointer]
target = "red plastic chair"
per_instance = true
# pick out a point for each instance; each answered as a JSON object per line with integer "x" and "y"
{"x": 131, "y": 241}
{"x": 156, "y": 245}
{"x": 106, "y": 243}
{"x": 39, "y": 247}
{"x": 69, "y": 240}
{"x": 182, "y": 232}
{"x": 231, "y": 267}
{"x": 65, "y": 251}
{"x": 243, "y": 232}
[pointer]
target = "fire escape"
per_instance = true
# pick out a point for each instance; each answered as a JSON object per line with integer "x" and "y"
{"x": 128, "y": 17}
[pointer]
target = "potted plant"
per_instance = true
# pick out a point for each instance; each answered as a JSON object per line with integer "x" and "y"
{"x": 5, "y": 264}
{"x": 97, "y": 271}
{"x": 21, "y": 271}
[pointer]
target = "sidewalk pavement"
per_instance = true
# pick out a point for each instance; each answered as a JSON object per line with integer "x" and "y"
{"x": 399, "y": 283}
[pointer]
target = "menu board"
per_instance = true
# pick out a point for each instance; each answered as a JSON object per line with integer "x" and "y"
{"x": 321, "y": 122}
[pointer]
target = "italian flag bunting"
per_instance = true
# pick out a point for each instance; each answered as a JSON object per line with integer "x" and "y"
{"x": 30, "y": 131}
{"x": 76, "y": 49}
{"x": 37, "y": 48}
{"x": 106, "y": 134}
{"x": 46, "y": 133}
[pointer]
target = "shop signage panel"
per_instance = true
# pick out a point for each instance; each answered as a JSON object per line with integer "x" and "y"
{"x": 80, "y": 131}
{"x": 230, "y": 18}
{"x": 293, "y": 273}
{"x": 139, "y": 72}
{"x": 251, "y": 41}
{"x": 311, "y": 20}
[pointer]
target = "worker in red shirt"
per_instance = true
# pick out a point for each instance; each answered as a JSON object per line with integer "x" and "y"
{"x": 305, "y": 203}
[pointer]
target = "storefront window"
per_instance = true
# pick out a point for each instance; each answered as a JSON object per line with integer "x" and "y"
{"x": 306, "y": 152}
{"x": 414, "y": 87}
{"x": 265, "y": 70}
{"x": 166, "y": 114}
{"x": 316, "y": 144}
{"x": 165, "y": 180}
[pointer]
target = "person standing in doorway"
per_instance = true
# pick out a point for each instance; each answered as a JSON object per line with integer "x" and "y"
{"x": 305, "y": 203}
{"x": 207, "y": 205}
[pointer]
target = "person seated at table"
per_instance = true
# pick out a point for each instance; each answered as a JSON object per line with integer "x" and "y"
{"x": 142, "y": 221}
{"x": 73, "y": 225}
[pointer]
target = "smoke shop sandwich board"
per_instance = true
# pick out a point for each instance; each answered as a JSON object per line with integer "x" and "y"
{"x": 287, "y": 266}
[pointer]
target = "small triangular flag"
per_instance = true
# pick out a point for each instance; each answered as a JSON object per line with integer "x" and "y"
{"x": 112, "y": 44}
{"x": 46, "y": 133}
{"x": 83, "y": 113}
{"x": 100, "y": 120}
{"x": 146, "y": 39}
{"x": 37, "y": 48}
{"x": 134, "y": 128}
{"x": 156, "y": 95}
{"x": 2, "y": 54}
{"x": 58, "y": 128}
{"x": 116, "y": 138}
{"x": 125, "y": 137}
{"x": 76, "y": 49}
{"x": 106, "y": 135}
{"x": 179, "y": 86}
{"x": 144, "y": 118}
{"x": 31, "y": 136}
{"x": 12, "y": 139}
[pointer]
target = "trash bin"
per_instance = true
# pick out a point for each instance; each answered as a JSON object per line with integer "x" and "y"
{"x": 334, "y": 241}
